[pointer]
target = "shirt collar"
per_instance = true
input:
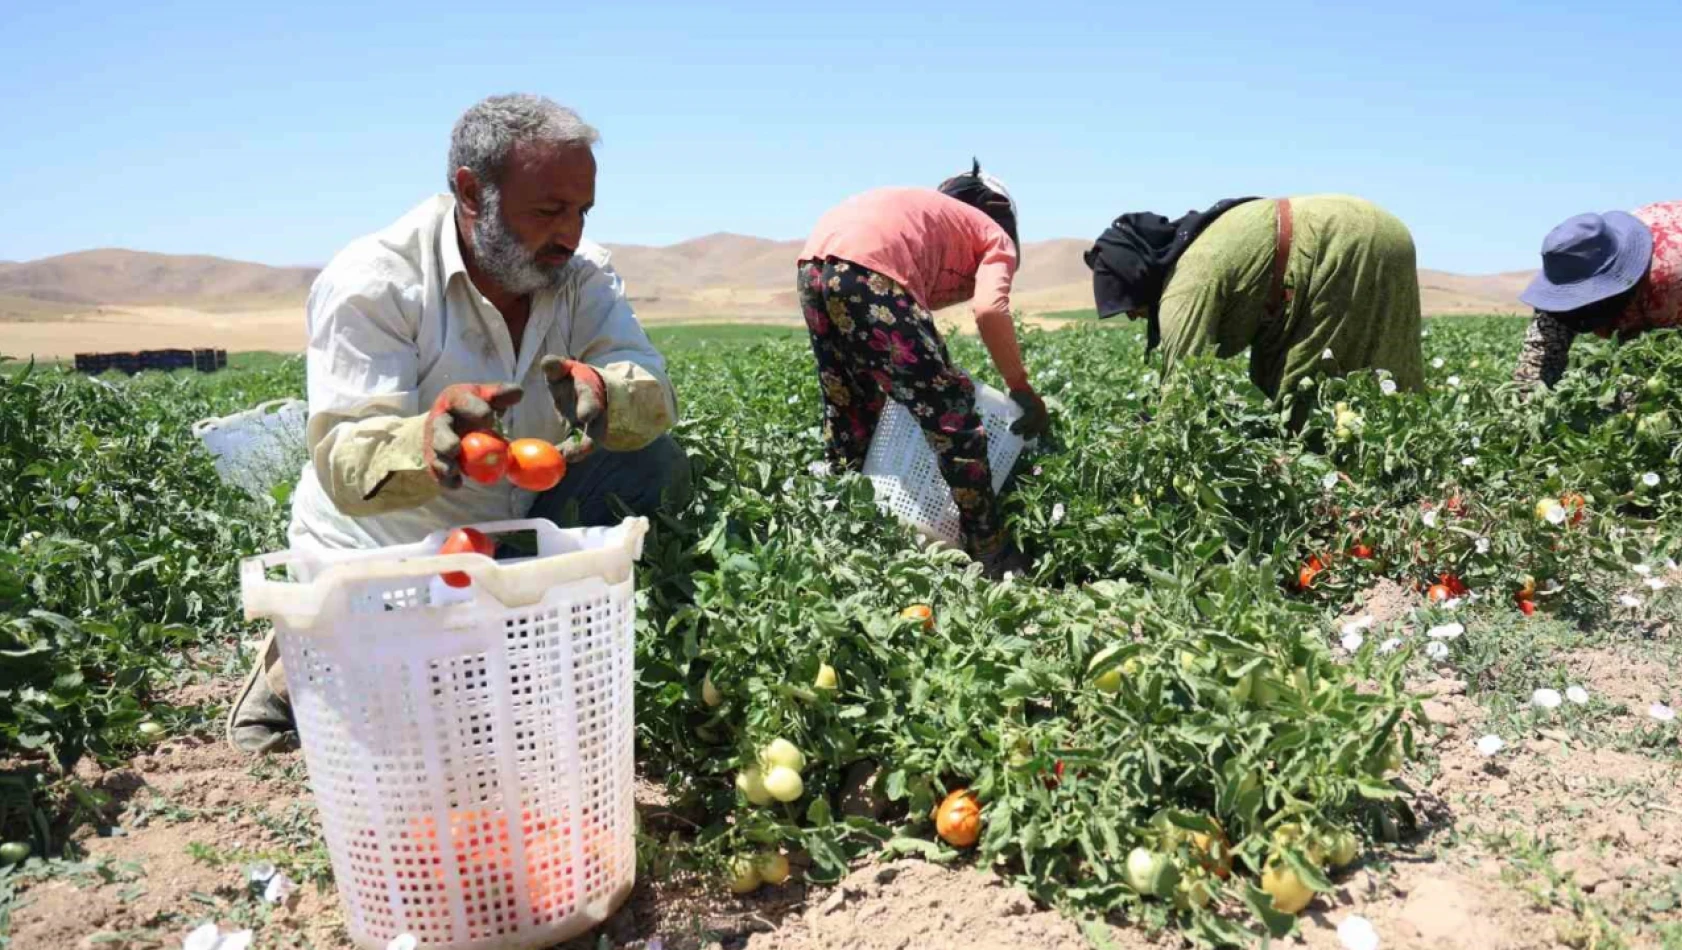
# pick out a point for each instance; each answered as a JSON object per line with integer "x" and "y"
{"x": 449, "y": 241}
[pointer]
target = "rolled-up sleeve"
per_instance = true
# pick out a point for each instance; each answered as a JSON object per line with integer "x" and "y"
{"x": 365, "y": 433}
{"x": 992, "y": 309}
{"x": 641, "y": 404}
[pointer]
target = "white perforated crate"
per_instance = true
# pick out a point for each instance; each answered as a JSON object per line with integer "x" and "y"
{"x": 260, "y": 447}
{"x": 906, "y": 473}
{"x": 470, "y": 749}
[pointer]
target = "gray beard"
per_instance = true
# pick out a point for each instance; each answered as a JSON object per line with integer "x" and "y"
{"x": 502, "y": 257}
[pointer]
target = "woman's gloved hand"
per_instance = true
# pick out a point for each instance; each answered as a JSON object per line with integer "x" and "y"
{"x": 458, "y": 410}
{"x": 1035, "y": 419}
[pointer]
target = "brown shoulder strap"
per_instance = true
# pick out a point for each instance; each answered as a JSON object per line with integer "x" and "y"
{"x": 1278, "y": 295}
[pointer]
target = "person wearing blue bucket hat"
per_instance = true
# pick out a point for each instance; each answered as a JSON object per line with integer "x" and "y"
{"x": 1614, "y": 273}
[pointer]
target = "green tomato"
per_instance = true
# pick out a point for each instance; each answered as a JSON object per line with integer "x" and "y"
{"x": 744, "y": 875}
{"x": 1345, "y": 848}
{"x": 784, "y": 753}
{"x": 14, "y": 852}
{"x": 150, "y": 730}
{"x": 1151, "y": 873}
{"x": 1108, "y": 681}
{"x": 1655, "y": 425}
{"x": 826, "y": 678}
{"x": 751, "y": 783}
{"x": 772, "y": 867}
{"x": 1243, "y": 688}
{"x": 1657, "y": 386}
{"x": 784, "y": 783}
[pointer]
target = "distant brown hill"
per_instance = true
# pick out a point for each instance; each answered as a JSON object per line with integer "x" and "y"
{"x": 720, "y": 275}
{"x": 109, "y": 276}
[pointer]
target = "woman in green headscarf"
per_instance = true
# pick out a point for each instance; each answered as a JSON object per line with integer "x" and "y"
{"x": 1324, "y": 284}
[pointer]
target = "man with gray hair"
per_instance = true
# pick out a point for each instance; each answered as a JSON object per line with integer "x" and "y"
{"x": 466, "y": 309}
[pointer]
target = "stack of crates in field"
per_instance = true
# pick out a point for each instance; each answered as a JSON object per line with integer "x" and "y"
{"x": 203, "y": 360}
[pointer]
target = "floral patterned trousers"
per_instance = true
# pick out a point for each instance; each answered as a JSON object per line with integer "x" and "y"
{"x": 873, "y": 342}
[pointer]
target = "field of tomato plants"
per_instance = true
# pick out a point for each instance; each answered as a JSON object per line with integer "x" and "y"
{"x": 1252, "y": 666}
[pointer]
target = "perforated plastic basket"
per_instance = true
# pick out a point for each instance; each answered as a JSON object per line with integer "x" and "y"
{"x": 470, "y": 749}
{"x": 906, "y": 474}
{"x": 260, "y": 447}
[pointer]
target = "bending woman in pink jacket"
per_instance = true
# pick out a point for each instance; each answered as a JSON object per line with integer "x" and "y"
{"x": 874, "y": 269}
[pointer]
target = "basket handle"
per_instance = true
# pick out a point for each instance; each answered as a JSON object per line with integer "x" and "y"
{"x": 261, "y": 409}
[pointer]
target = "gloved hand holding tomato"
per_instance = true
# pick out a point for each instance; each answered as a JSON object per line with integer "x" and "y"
{"x": 461, "y": 412}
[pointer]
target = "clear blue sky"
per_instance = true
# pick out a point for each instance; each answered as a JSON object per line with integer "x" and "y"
{"x": 277, "y": 131}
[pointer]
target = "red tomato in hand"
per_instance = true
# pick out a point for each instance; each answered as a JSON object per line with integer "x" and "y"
{"x": 484, "y": 457}
{"x": 535, "y": 465}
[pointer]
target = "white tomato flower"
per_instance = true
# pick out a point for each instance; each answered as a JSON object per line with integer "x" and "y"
{"x": 1436, "y": 650}
{"x": 1352, "y": 641}
{"x": 1446, "y": 631}
{"x": 1430, "y": 518}
{"x": 1057, "y": 511}
{"x": 1489, "y": 745}
{"x": 1468, "y": 462}
{"x": 1454, "y": 382}
{"x": 1387, "y": 387}
{"x": 1651, "y": 479}
{"x": 1483, "y": 545}
{"x": 1577, "y": 694}
{"x": 1327, "y": 354}
{"x": 1437, "y": 363}
{"x": 1546, "y": 699}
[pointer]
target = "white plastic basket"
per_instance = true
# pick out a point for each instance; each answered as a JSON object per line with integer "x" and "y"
{"x": 260, "y": 447}
{"x": 470, "y": 749}
{"x": 906, "y": 474}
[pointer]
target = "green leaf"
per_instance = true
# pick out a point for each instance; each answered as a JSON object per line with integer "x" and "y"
{"x": 1277, "y": 923}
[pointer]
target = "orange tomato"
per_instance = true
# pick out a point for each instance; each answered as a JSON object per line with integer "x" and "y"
{"x": 1309, "y": 571}
{"x": 919, "y": 612}
{"x": 465, "y": 541}
{"x": 484, "y": 457}
{"x": 1360, "y": 552}
{"x": 958, "y": 819}
{"x": 1438, "y": 593}
{"x": 1527, "y": 607}
{"x": 535, "y": 465}
{"x": 1574, "y": 503}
